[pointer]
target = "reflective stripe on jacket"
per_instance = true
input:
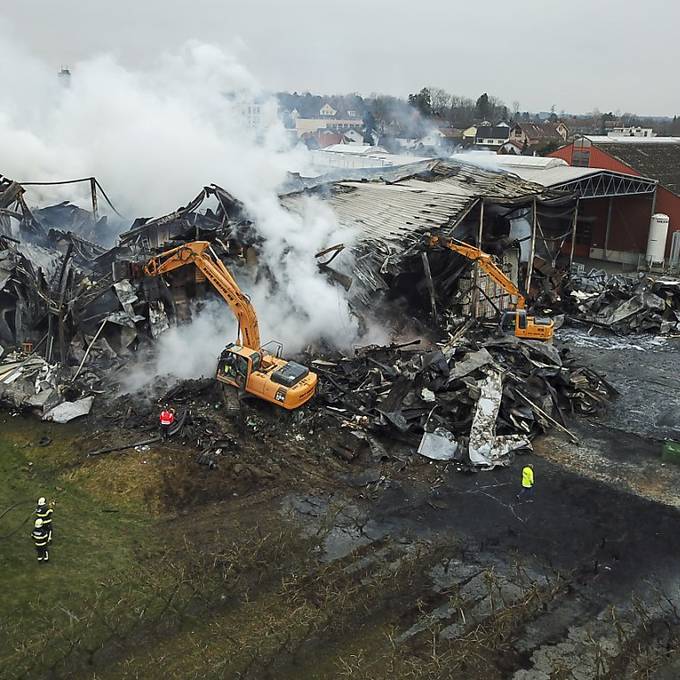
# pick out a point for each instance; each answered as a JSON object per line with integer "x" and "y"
{"x": 44, "y": 513}
{"x": 527, "y": 477}
{"x": 40, "y": 537}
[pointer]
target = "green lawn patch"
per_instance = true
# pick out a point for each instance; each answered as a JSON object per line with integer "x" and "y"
{"x": 97, "y": 547}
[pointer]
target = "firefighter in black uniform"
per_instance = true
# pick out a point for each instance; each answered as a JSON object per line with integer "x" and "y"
{"x": 40, "y": 536}
{"x": 44, "y": 513}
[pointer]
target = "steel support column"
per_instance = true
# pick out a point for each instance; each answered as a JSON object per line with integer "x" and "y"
{"x": 609, "y": 225}
{"x": 573, "y": 234}
{"x": 532, "y": 252}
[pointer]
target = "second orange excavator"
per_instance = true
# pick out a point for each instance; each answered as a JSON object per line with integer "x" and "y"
{"x": 245, "y": 364}
{"x": 525, "y": 326}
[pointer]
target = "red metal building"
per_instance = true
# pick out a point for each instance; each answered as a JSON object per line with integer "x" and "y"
{"x": 613, "y": 213}
{"x": 653, "y": 157}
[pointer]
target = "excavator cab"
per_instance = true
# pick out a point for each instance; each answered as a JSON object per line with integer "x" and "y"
{"x": 234, "y": 367}
{"x": 526, "y": 326}
{"x": 285, "y": 383}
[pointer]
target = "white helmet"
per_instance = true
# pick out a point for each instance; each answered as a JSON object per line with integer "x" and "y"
{"x": 42, "y": 500}
{"x": 38, "y": 523}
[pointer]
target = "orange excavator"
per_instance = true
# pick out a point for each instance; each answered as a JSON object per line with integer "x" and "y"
{"x": 244, "y": 364}
{"x": 525, "y": 326}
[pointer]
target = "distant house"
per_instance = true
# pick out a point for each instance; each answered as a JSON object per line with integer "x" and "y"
{"x": 511, "y": 148}
{"x": 251, "y": 113}
{"x": 539, "y": 134}
{"x": 630, "y": 132}
{"x": 470, "y": 133}
{"x": 433, "y": 139}
{"x": 321, "y": 139}
{"x": 327, "y": 118}
{"x": 492, "y": 136}
{"x": 451, "y": 137}
{"x": 584, "y": 125}
{"x": 327, "y": 111}
{"x": 440, "y": 139}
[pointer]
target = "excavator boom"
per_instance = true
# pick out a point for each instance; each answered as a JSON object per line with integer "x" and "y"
{"x": 198, "y": 253}
{"x": 485, "y": 262}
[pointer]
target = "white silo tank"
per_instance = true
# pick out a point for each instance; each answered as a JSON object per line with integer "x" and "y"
{"x": 656, "y": 243}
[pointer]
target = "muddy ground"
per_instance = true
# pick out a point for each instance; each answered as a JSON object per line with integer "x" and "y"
{"x": 288, "y": 561}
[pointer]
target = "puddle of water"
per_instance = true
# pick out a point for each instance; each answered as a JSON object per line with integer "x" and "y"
{"x": 598, "y": 340}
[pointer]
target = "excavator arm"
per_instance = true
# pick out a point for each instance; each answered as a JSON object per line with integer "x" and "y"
{"x": 485, "y": 262}
{"x": 200, "y": 255}
{"x": 530, "y": 327}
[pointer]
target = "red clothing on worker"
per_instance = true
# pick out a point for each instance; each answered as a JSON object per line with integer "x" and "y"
{"x": 167, "y": 417}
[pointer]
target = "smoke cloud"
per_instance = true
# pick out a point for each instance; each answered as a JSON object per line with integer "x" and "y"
{"x": 153, "y": 137}
{"x": 188, "y": 351}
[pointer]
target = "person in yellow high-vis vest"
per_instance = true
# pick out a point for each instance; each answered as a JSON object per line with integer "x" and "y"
{"x": 527, "y": 490}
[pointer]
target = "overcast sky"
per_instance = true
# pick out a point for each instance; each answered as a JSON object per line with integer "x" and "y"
{"x": 577, "y": 55}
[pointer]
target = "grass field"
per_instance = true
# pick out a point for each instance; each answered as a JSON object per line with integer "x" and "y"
{"x": 162, "y": 568}
{"x": 96, "y": 544}
{"x": 129, "y": 591}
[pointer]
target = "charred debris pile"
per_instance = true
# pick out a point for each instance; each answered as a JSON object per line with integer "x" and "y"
{"x": 473, "y": 399}
{"x": 74, "y": 313}
{"x": 642, "y": 303}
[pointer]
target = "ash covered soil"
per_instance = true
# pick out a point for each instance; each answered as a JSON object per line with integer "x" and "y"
{"x": 285, "y": 560}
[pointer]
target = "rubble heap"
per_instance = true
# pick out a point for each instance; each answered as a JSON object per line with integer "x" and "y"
{"x": 53, "y": 391}
{"x": 472, "y": 401}
{"x": 624, "y": 304}
{"x": 78, "y": 309}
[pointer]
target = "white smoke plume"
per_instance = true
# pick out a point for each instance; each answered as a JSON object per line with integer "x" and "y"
{"x": 153, "y": 138}
{"x": 188, "y": 351}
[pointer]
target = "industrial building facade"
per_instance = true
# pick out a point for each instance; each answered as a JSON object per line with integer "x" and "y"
{"x": 657, "y": 158}
{"x": 613, "y": 213}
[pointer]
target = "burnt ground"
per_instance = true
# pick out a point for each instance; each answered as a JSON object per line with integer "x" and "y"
{"x": 298, "y": 563}
{"x": 622, "y": 447}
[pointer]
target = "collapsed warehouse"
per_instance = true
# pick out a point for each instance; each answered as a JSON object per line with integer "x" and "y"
{"x": 74, "y": 312}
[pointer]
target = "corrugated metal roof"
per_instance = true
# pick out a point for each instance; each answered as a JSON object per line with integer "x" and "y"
{"x": 656, "y": 157}
{"x": 605, "y": 139}
{"x": 354, "y": 149}
{"x": 512, "y": 161}
{"x": 440, "y": 194}
{"x": 391, "y": 211}
{"x": 588, "y": 182}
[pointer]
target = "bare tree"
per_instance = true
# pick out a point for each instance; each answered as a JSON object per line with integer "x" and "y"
{"x": 462, "y": 111}
{"x": 440, "y": 101}
{"x": 380, "y": 108}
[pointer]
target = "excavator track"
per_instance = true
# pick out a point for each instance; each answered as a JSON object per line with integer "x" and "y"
{"x": 232, "y": 400}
